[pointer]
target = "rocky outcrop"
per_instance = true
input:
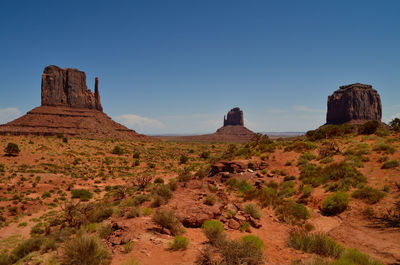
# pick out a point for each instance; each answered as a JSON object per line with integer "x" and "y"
{"x": 234, "y": 117}
{"x": 67, "y": 87}
{"x": 355, "y": 102}
{"x": 68, "y": 108}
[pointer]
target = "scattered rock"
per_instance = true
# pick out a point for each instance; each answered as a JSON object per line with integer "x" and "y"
{"x": 233, "y": 224}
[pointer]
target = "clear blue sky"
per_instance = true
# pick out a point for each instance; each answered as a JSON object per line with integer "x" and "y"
{"x": 177, "y": 66}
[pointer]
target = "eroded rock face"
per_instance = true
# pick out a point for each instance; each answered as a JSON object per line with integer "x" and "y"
{"x": 67, "y": 87}
{"x": 354, "y": 102}
{"x": 234, "y": 117}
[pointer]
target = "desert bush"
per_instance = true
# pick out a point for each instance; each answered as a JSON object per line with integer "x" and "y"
{"x": 214, "y": 230}
{"x": 318, "y": 243}
{"x": 210, "y": 199}
{"x": 183, "y": 159}
{"x": 179, "y": 243}
{"x": 355, "y": 257}
{"x": 346, "y": 173}
{"x": 164, "y": 191}
{"x": 48, "y": 244}
{"x": 253, "y": 210}
{"x": 292, "y": 212}
{"x": 384, "y": 147}
{"x": 330, "y": 131}
{"x": 133, "y": 212}
{"x": 128, "y": 246}
{"x": 368, "y": 194}
{"x": 117, "y": 150}
{"x": 245, "y": 227}
{"x": 105, "y": 230}
{"x": 300, "y": 146}
{"x": 85, "y": 250}
{"x": 158, "y": 180}
{"x": 205, "y": 155}
{"x": 335, "y": 203}
{"x": 185, "y": 175}
{"x": 390, "y": 164}
{"x": 12, "y": 149}
{"x": 143, "y": 179}
{"x": 369, "y": 127}
{"x": 247, "y": 251}
{"x": 24, "y": 248}
{"x": 287, "y": 189}
{"x": 82, "y": 194}
{"x": 168, "y": 220}
{"x": 267, "y": 196}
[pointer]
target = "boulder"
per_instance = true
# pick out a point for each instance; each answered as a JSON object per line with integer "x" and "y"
{"x": 354, "y": 102}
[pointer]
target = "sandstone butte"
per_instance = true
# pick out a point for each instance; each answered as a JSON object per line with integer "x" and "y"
{"x": 354, "y": 103}
{"x": 233, "y": 130}
{"x": 68, "y": 107}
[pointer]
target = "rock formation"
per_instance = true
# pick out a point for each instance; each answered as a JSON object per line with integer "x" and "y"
{"x": 233, "y": 130}
{"x": 354, "y": 103}
{"x": 67, "y": 87}
{"x": 234, "y": 117}
{"x": 69, "y": 108}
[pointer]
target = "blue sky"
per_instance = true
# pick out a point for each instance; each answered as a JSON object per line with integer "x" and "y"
{"x": 177, "y": 66}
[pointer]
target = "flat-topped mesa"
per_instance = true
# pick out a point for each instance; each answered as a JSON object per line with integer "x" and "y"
{"x": 234, "y": 117}
{"x": 67, "y": 87}
{"x": 354, "y": 102}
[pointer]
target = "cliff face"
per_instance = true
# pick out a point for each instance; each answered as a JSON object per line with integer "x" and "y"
{"x": 67, "y": 87}
{"x": 354, "y": 102}
{"x": 234, "y": 117}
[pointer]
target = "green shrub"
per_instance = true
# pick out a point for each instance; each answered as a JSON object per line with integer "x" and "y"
{"x": 26, "y": 247}
{"x": 330, "y": 131}
{"x": 168, "y": 220}
{"x": 82, "y": 194}
{"x": 243, "y": 252}
{"x": 12, "y": 149}
{"x": 105, "y": 230}
{"x": 335, "y": 203}
{"x": 179, "y": 243}
{"x": 183, "y": 159}
{"x": 85, "y": 250}
{"x": 369, "y": 127}
{"x": 205, "y": 155}
{"x": 117, "y": 150}
{"x": 318, "y": 243}
{"x": 346, "y": 173}
{"x": 355, "y": 257}
{"x": 133, "y": 212}
{"x": 185, "y": 175}
{"x": 158, "y": 180}
{"x": 210, "y": 199}
{"x": 390, "y": 164}
{"x": 214, "y": 231}
{"x": 253, "y": 210}
{"x": 267, "y": 196}
{"x": 254, "y": 240}
{"x": 368, "y": 194}
{"x": 245, "y": 227}
{"x": 386, "y": 148}
{"x": 292, "y": 212}
{"x": 129, "y": 246}
{"x": 163, "y": 191}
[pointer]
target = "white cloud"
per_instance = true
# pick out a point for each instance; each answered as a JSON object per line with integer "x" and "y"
{"x": 9, "y": 114}
{"x": 302, "y": 108}
{"x": 138, "y": 123}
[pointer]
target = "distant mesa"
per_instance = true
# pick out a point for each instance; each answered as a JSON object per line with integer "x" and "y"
{"x": 354, "y": 103}
{"x": 70, "y": 108}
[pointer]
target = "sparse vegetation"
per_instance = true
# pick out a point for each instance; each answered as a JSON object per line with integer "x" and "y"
{"x": 179, "y": 243}
{"x": 335, "y": 203}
